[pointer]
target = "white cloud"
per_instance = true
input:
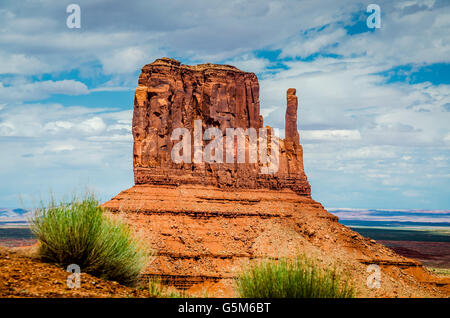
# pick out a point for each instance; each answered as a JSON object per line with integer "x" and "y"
{"x": 249, "y": 63}
{"x": 92, "y": 125}
{"x": 199, "y": 31}
{"x": 312, "y": 42}
{"x": 22, "y": 64}
{"x": 126, "y": 60}
{"x": 29, "y": 91}
{"x": 58, "y": 149}
{"x": 6, "y": 129}
{"x": 330, "y": 135}
{"x": 370, "y": 152}
{"x": 111, "y": 138}
{"x": 419, "y": 34}
{"x": 54, "y": 121}
{"x": 59, "y": 125}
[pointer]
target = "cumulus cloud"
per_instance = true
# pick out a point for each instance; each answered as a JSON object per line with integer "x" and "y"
{"x": 49, "y": 147}
{"x": 126, "y": 60}
{"x": 29, "y": 91}
{"x": 92, "y": 125}
{"x": 249, "y": 62}
{"x": 216, "y": 30}
{"x": 312, "y": 42}
{"x": 21, "y": 64}
{"x": 50, "y": 120}
{"x": 370, "y": 152}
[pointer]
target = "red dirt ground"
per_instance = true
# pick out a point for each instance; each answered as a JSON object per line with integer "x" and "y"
{"x": 22, "y": 275}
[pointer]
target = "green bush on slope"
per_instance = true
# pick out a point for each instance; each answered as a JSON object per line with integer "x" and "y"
{"x": 293, "y": 278}
{"x": 80, "y": 233}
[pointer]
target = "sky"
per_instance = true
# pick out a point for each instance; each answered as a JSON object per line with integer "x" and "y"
{"x": 374, "y": 104}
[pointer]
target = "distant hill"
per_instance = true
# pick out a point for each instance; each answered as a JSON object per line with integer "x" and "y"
{"x": 14, "y": 216}
{"x": 397, "y": 218}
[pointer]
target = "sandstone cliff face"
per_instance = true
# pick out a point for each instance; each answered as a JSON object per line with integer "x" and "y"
{"x": 171, "y": 95}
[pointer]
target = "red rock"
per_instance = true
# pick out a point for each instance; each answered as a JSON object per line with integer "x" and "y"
{"x": 171, "y": 95}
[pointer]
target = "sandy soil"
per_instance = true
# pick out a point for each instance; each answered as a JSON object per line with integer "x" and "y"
{"x": 22, "y": 275}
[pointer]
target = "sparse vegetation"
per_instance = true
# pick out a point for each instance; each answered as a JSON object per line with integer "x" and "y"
{"x": 293, "y": 278}
{"x": 80, "y": 233}
{"x": 157, "y": 289}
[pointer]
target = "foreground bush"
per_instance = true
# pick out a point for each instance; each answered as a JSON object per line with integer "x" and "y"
{"x": 80, "y": 233}
{"x": 297, "y": 278}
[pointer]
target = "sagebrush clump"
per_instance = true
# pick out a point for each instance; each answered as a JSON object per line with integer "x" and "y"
{"x": 81, "y": 233}
{"x": 301, "y": 277}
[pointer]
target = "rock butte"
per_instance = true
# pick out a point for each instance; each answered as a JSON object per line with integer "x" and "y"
{"x": 171, "y": 95}
{"x": 206, "y": 222}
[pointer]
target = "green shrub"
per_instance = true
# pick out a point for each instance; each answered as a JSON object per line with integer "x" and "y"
{"x": 80, "y": 233}
{"x": 293, "y": 278}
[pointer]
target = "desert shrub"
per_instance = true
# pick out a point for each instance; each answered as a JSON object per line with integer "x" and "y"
{"x": 81, "y": 233}
{"x": 293, "y": 278}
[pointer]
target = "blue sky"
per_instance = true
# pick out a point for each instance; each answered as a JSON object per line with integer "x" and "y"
{"x": 374, "y": 103}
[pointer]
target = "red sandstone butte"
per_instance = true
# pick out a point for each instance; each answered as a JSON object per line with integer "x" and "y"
{"x": 207, "y": 222}
{"x": 171, "y": 95}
